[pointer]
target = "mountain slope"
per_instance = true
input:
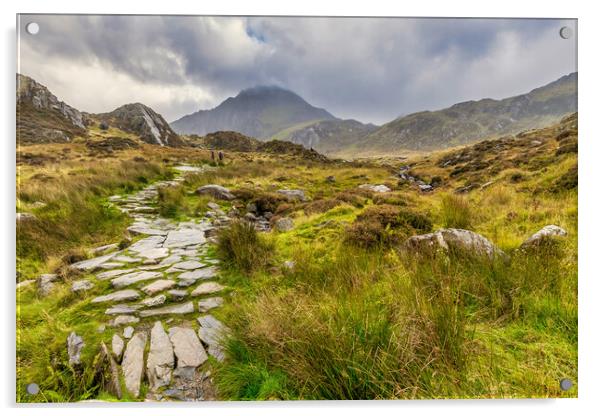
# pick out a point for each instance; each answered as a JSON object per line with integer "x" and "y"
{"x": 41, "y": 117}
{"x": 259, "y": 112}
{"x": 326, "y": 136}
{"x": 469, "y": 121}
{"x": 143, "y": 121}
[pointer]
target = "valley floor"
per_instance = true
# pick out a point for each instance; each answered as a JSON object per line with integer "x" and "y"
{"x": 321, "y": 296}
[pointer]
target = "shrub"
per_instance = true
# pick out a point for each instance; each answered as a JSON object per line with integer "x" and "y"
{"x": 456, "y": 212}
{"x": 241, "y": 246}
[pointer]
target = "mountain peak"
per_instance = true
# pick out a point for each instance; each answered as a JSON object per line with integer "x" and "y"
{"x": 260, "y": 111}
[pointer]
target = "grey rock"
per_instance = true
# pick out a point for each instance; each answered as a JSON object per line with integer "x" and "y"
{"x": 158, "y": 286}
{"x": 154, "y": 253}
{"x": 207, "y": 288}
{"x": 252, "y": 208}
{"x": 122, "y": 295}
{"x": 105, "y": 248}
{"x": 212, "y": 205}
{"x": 293, "y": 194}
{"x": 81, "y": 285}
{"x": 284, "y": 224}
{"x": 289, "y": 265}
{"x": 177, "y": 294}
{"x": 25, "y": 283}
{"x": 178, "y": 309}
{"x": 46, "y": 283}
{"x": 24, "y": 217}
{"x": 205, "y": 273}
{"x": 154, "y": 301}
{"x": 216, "y": 191}
{"x": 110, "y": 265}
{"x": 122, "y": 309}
{"x": 75, "y": 343}
{"x": 212, "y": 333}
{"x": 375, "y": 188}
{"x": 134, "y": 277}
{"x": 210, "y": 303}
{"x": 454, "y": 238}
{"x": 187, "y": 347}
{"x": 126, "y": 259}
{"x": 112, "y": 273}
{"x": 124, "y": 320}
{"x": 117, "y": 345}
{"x": 128, "y": 331}
{"x": 94, "y": 263}
{"x": 133, "y": 363}
{"x": 546, "y": 233}
{"x": 183, "y": 238}
{"x": 189, "y": 265}
{"x": 160, "y": 360}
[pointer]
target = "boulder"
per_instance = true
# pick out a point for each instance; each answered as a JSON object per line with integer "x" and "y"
{"x": 453, "y": 238}
{"x": 117, "y": 345}
{"x": 293, "y": 195}
{"x": 75, "y": 343}
{"x": 284, "y": 224}
{"x": 188, "y": 350}
{"x": 216, "y": 191}
{"x": 547, "y": 233}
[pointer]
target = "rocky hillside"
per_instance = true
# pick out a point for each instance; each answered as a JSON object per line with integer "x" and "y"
{"x": 327, "y": 136}
{"x": 41, "y": 117}
{"x": 143, "y": 121}
{"x": 470, "y": 121}
{"x": 258, "y": 112}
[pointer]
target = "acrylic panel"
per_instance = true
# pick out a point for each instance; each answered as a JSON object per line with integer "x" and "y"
{"x": 295, "y": 208}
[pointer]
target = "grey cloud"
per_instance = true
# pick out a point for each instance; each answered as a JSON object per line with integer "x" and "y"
{"x": 366, "y": 68}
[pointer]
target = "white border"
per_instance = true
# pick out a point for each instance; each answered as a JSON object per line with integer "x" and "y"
{"x": 590, "y": 215}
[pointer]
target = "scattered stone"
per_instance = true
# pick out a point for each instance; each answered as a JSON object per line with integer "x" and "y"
{"x": 75, "y": 343}
{"x": 81, "y": 285}
{"x": 112, "y": 273}
{"x": 293, "y": 194}
{"x": 158, "y": 286}
{"x": 92, "y": 264}
{"x": 375, "y": 188}
{"x": 211, "y": 333}
{"x": 134, "y": 277}
{"x": 122, "y": 295}
{"x": 155, "y": 301}
{"x": 133, "y": 363}
{"x": 284, "y": 224}
{"x": 46, "y": 283}
{"x": 124, "y": 320}
{"x": 117, "y": 345}
{"x": 188, "y": 350}
{"x": 122, "y": 309}
{"x": 216, "y": 191}
{"x": 447, "y": 238}
{"x": 289, "y": 265}
{"x": 24, "y": 217}
{"x": 210, "y": 303}
{"x": 160, "y": 360}
{"x": 128, "y": 331}
{"x": 180, "y": 309}
{"x": 207, "y": 288}
{"x": 425, "y": 188}
{"x": 213, "y": 205}
{"x": 545, "y": 234}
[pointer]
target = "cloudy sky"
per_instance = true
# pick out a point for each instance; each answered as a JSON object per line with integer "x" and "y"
{"x": 370, "y": 69}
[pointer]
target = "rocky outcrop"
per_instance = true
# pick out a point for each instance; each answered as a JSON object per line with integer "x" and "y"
{"x": 141, "y": 120}
{"x": 453, "y": 238}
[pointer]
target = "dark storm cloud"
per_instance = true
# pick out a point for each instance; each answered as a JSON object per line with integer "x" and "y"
{"x": 366, "y": 68}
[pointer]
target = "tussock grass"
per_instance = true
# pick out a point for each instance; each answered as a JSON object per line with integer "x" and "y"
{"x": 456, "y": 212}
{"x": 239, "y": 245}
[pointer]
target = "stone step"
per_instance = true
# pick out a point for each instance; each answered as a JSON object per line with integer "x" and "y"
{"x": 178, "y": 309}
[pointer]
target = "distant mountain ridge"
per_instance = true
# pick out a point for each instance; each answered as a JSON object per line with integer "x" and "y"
{"x": 470, "y": 121}
{"x": 258, "y": 112}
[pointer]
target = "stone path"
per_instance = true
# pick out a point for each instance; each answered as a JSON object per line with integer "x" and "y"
{"x": 161, "y": 290}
